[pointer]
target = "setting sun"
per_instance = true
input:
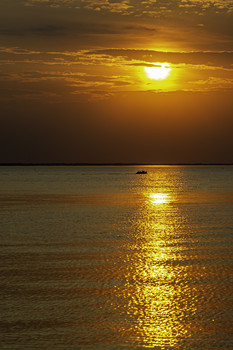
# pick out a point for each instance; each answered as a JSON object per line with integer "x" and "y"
{"x": 159, "y": 71}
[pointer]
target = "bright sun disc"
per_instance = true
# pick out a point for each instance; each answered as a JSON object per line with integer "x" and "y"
{"x": 160, "y": 71}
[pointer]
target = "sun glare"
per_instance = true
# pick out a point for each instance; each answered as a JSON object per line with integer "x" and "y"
{"x": 159, "y": 71}
{"x": 159, "y": 198}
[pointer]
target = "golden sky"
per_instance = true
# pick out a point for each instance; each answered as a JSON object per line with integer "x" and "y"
{"x": 116, "y": 81}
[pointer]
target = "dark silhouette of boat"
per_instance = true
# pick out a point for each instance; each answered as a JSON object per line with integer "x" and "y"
{"x": 141, "y": 172}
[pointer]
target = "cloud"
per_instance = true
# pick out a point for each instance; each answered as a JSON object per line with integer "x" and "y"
{"x": 58, "y": 85}
{"x": 87, "y": 72}
{"x": 119, "y": 57}
{"x": 215, "y": 83}
{"x": 78, "y": 28}
{"x": 45, "y": 30}
{"x": 139, "y": 8}
{"x": 158, "y": 24}
{"x": 115, "y": 7}
{"x": 17, "y": 51}
{"x": 100, "y": 5}
{"x": 216, "y": 59}
{"x": 48, "y": 30}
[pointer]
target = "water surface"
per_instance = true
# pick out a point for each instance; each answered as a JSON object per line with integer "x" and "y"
{"x": 102, "y": 258}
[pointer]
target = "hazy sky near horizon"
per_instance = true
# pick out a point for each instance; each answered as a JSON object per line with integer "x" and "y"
{"x": 74, "y": 86}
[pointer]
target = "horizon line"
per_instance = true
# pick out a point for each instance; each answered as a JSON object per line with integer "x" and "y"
{"x": 110, "y": 164}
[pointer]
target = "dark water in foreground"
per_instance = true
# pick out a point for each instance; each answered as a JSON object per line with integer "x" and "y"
{"x": 102, "y": 258}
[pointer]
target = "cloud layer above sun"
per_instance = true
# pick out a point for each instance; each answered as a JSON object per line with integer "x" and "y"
{"x": 135, "y": 7}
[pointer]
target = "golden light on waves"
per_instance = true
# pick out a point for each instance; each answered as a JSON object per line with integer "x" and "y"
{"x": 159, "y": 198}
{"x": 159, "y": 71}
{"x": 156, "y": 302}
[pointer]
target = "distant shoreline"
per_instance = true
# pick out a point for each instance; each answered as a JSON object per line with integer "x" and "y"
{"x": 115, "y": 164}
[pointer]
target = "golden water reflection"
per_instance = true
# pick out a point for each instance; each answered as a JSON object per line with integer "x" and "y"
{"x": 160, "y": 302}
{"x": 159, "y": 198}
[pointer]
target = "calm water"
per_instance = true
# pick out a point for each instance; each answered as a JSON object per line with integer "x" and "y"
{"x": 102, "y": 258}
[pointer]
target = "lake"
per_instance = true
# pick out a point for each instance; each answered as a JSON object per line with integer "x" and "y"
{"x": 99, "y": 257}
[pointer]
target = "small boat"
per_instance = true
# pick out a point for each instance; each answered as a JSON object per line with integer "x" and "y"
{"x": 141, "y": 172}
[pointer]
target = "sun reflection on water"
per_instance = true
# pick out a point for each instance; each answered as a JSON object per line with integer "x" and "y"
{"x": 159, "y": 198}
{"x": 157, "y": 301}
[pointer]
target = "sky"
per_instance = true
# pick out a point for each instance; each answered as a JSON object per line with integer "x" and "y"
{"x": 108, "y": 81}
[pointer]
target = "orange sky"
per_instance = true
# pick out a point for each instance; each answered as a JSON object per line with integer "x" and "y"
{"x": 74, "y": 86}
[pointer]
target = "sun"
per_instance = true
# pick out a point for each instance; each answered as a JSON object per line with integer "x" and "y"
{"x": 158, "y": 71}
